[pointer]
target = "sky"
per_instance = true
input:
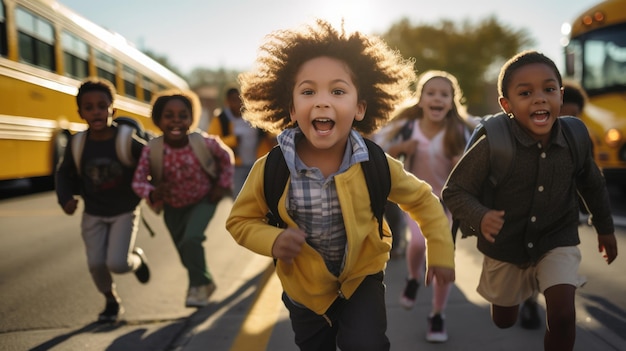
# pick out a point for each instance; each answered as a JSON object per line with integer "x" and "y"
{"x": 226, "y": 34}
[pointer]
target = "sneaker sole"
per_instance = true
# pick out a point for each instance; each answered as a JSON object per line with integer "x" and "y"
{"x": 112, "y": 319}
{"x": 406, "y": 303}
{"x": 436, "y": 338}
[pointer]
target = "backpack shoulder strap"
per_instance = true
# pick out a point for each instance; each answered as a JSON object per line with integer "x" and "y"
{"x": 577, "y": 138}
{"x": 78, "y": 144}
{"x": 378, "y": 179}
{"x": 198, "y": 145}
{"x": 225, "y": 123}
{"x": 501, "y": 147}
{"x": 501, "y": 154}
{"x": 376, "y": 171}
{"x": 156, "y": 159}
{"x": 275, "y": 177}
{"x": 123, "y": 144}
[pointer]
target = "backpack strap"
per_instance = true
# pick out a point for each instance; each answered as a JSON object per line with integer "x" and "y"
{"x": 198, "y": 145}
{"x": 156, "y": 159}
{"x": 275, "y": 175}
{"x": 78, "y": 144}
{"x": 378, "y": 179}
{"x": 501, "y": 147}
{"x": 224, "y": 123}
{"x": 123, "y": 144}
{"x": 376, "y": 172}
{"x": 577, "y": 138}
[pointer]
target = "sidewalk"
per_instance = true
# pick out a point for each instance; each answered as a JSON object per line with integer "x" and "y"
{"x": 468, "y": 320}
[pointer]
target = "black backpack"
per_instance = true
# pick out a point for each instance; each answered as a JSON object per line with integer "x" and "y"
{"x": 502, "y": 153}
{"x": 377, "y": 177}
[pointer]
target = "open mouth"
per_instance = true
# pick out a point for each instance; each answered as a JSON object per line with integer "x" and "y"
{"x": 323, "y": 124}
{"x": 176, "y": 131}
{"x": 540, "y": 116}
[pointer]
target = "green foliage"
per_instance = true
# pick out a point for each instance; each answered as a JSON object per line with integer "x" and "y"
{"x": 473, "y": 52}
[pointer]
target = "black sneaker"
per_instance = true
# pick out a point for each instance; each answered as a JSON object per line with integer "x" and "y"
{"x": 143, "y": 272}
{"x": 111, "y": 312}
{"x": 436, "y": 329}
{"x": 529, "y": 314}
{"x": 407, "y": 300}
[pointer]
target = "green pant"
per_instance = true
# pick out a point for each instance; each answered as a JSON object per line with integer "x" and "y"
{"x": 187, "y": 226}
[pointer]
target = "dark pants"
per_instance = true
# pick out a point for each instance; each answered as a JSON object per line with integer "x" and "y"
{"x": 357, "y": 324}
{"x": 187, "y": 226}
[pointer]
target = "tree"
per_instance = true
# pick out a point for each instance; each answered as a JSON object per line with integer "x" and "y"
{"x": 471, "y": 52}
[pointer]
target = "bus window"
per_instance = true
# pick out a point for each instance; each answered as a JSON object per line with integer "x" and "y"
{"x": 105, "y": 66}
{"x": 130, "y": 76}
{"x": 3, "y": 31}
{"x": 148, "y": 87}
{"x": 605, "y": 59}
{"x": 75, "y": 56}
{"x": 36, "y": 40}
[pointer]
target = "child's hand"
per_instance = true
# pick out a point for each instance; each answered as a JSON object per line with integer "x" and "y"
{"x": 442, "y": 275}
{"x": 70, "y": 206}
{"x": 491, "y": 224}
{"x": 288, "y": 244}
{"x": 609, "y": 245}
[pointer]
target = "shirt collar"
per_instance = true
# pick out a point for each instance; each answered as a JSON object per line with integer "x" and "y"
{"x": 556, "y": 135}
{"x": 355, "y": 152}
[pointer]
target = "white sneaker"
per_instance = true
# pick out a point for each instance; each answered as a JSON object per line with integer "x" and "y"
{"x": 198, "y": 296}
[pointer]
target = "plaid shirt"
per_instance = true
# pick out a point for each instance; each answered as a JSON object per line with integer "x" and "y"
{"x": 312, "y": 200}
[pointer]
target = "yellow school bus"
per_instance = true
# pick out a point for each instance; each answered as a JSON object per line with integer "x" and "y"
{"x": 45, "y": 51}
{"x": 595, "y": 56}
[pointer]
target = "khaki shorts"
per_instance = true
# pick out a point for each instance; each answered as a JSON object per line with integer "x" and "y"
{"x": 506, "y": 284}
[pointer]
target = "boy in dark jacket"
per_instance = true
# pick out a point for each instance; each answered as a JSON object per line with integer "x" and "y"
{"x": 530, "y": 235}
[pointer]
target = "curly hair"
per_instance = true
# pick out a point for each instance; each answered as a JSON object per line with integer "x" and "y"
{"x": 382, "y": 76}
{"x": 188, "y": 98}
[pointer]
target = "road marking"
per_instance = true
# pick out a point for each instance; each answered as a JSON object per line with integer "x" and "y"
{"x": 257, "y": 328}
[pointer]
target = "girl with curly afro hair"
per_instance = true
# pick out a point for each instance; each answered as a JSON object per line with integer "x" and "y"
{"x": 320, "y": 90}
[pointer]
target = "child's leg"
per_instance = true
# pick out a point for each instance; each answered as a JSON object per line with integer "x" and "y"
{"x": 505, "y": 286}
{"x": 557, "y": 274}
{"x": 561, "y": 318}
{"x": 312, "y": 331}
{"x": 95, "y": 232}
{"x": 122, "y": 237}
{"x": 190, "y": 246}
{"x": 415, "y": 250}
{"x": 441, "y": 292}
{"x": 363, "y": 319}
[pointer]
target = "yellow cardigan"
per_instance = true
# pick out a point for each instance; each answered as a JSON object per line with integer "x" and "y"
{"x": 307, "y": 280}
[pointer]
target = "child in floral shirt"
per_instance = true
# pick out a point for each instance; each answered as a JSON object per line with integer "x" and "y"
{"x": 187, "y": 191}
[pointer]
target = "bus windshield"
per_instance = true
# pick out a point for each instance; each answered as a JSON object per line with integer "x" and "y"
{"x": 604, "y": 59}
